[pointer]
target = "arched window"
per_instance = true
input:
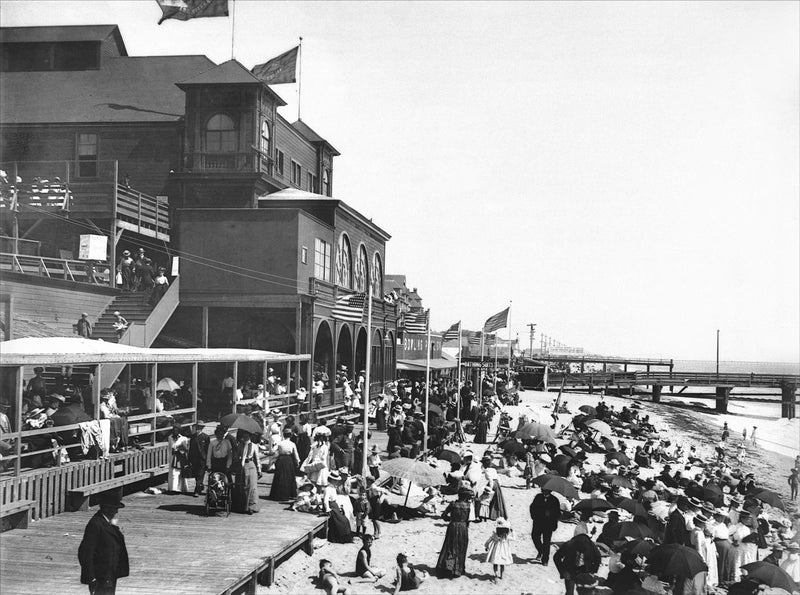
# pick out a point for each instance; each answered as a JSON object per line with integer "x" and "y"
{"x": 326, "y": 183}
{"x": 376, "y": 275}
{"x": 344, "y": 263}
{"x": 265, "y": 137}
{"x": 220, "y": 134}
{"x": 361, "y": 270}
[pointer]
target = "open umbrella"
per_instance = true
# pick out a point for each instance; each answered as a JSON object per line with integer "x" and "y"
{"x": 618, "y": 456}
{"x": 618, "y": 480}
{"x": 449, "y": 456}
{"x": 638, "y": 547}
{"x": 413, "y": 471}
{"x": 167, "y": 384}
{"x": 606, "y": 443}
{"x": 632, "y": 506}
{"x": 435, "y": 409}
{"x": 599, "y": 426}
{"x": 514, "y": 448}
{"x": 588, "y": 409}
{"x": 674, "y": 559}
{"x": 554, "y": 483}
{"x": 592, "y": 504}
{"x": 561, "y": 464}
{"x": 568, "y": 450}
{"x": 713, "y": 493}
{"x": 770, "y": 498}
{"x": 635, "y": 530}
{"x": 771, "y": 575}
{"x": 536, "y": 430}
{"x": 240, "y": 421}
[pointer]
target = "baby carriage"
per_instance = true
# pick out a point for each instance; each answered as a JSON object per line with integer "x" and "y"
{"x": 218, "y": 494}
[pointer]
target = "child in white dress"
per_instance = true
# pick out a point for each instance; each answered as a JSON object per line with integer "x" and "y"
{"x": 498, "y": 549}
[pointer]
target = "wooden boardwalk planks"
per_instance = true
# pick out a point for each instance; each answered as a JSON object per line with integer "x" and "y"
{"x": 173, "y": 547}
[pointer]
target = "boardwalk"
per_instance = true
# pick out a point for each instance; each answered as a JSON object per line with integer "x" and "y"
{"x": 172, "y": 546}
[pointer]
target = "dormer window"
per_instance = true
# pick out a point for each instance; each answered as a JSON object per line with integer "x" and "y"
{"x": 220, "y": 134}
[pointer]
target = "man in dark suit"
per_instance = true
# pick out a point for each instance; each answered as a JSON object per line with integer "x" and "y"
{"x": 577, "y": 556}
{"x": 545, "y": 511}
{"x": 676, "y": 531}
{"x": 102, "y": 553}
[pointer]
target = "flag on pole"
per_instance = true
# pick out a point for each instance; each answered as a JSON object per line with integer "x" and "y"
{"x": 183, "y": 10}
{"x": 416, "y": 323}
{"x": 281, "y": 69}
{"x": 496, "y": 322}
{"x": 474, "y": 338}
{"x": 349, "y": 308}
{"x": 451, "y": 334}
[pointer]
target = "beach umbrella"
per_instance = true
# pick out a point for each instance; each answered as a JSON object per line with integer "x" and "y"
{"x": 449, "y": 456}
{"x": 568, "y": 450}
{"x": 770, "y": 575}
{"x": 638, "y": 547}
{"x": 618, "y": 480}
{"x": 536, "y": 430}
{"x": 599, "y": 426}
{"x": 674, "y": 559}
{"x": 554, "y": 483}
{"x": 514, "y": 448}
{"x": 620, "y": 457}
{"x": 240, "y": 421}
{"x": 435, "y": 409}
{"x": 588, "y": 409}
{"x": 770, "y": 498}
{"x": 592, "y": 504}
{"x": 561, "y": 464}
{"x": 167, "y": 384}
{"x": 636, "y": 530}
{"x": 633, "y": 507}
{"x": 713, "y": 493}
{"x": 606, "y": 444}
{"x": 414, "y": 471}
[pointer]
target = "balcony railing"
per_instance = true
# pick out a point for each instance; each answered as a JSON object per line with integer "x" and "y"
{"x": 327, "y": 293}
{"x": 97, "y": 273}
{"x": 147, "y": 215}
{"x": 220, "y": 162}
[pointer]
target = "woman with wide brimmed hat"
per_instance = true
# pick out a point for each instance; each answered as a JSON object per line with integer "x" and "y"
{"x": 453, "y": 557}
{"x": 284, "y": 485}
{"x": 339, "y": 528}
{"x": 248, "y": 472}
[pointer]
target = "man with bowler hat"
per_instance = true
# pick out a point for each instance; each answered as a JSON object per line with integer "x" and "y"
{"x": 102, "y": 553}
{"x": 545, "y": 511}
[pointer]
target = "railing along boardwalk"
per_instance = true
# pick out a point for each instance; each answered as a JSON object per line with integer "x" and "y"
{"x": 173, "y": 547}
{"x": 48, "y": 487}
{"x": 676, "y": 378}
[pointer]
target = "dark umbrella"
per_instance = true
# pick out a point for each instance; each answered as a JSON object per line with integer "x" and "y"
{"x": 674, "y": 559}
{"x": 635, "y": 530}
{"x": 554, "y": 483}
{"x": 514, "y": 448}
{"x": 618, "y": 480}
{"x": 633, "y": 507}
{"x": 620, "y": 457}
{"x": 71, "y": 414}
{"x": 713, "y": 493}
{"x": 536, "y": 430}
{"x": 561, "y": 464}
{"x": 592, "y": 504}
{"x": 588, "y": 409}
{"x": 606, "y": 443}
{"x": 240, "y": 421}
{"x": 568, "y": 450}
{"x": 771, "y": 575}
{"x": 638, "y": 547}
{"x": 449, "y": 456}
{"x": 507, "y": 441}
{"x": 770, "y": 498}
{"x": 435, "y": 409}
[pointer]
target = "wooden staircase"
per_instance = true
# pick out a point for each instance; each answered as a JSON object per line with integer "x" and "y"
{"x": 133, "y": 307}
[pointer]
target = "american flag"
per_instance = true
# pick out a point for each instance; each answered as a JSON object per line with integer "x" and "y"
{"x": 474, "y": 338}
{"x": 496, "y": 322}
{"x": 349, "y": 308}
{"x": 452, "y": 333}
{"x": 416, "y": 323}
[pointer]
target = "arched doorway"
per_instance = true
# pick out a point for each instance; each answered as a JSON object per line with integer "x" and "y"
{"x": 388, "y": 357}
{"x": 376, "y": 365}
{"x": 344, "y": 352}
{"x": 361, "y": 351}
{"x": 323, "y": 352}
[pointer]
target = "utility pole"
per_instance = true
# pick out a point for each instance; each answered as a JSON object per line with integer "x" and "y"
{"x": 532, "y": 326}
{"x": 717, "y": 353}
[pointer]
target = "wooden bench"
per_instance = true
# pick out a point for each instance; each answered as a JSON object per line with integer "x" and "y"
{"x": 79, "y": 497}
{"x": 333, "y": 412}
{"x": 17, "y": 514}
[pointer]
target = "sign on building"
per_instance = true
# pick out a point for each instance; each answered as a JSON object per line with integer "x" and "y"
{"x": 93, "y": 247}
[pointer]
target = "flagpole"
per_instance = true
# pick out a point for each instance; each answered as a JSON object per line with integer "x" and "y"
{"x": 494, "y": 382}
{"x": 233, "y": 25}
{"x": 480, "y": 379}
{"x": 427, "y": 383}
{"x": 508, "y": 323}
{"x": 365, "y": 396}
{"x": 300, "y": 81}
{"x": 458, "y": 377}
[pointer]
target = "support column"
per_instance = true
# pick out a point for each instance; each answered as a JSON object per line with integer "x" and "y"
{"x": 723, "y": 394}
{"x": 657, "y": 393}
{"x": 788, "y": 407}
{"x": 204, "y": 328}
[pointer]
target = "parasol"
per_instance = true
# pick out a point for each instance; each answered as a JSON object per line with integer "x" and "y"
{"x": 167, "y": 384}
{"x": 618, "y": 456}
{"x": 435, "y": 409}
{"x": 599, "y": 426}
{"x": 561, "y": 464}
{"x": 632, "y": 506}
{"x": 770, "y": 574}
{"x": 554, "y": 483}
{"x": 674, "y": 559}
{"x": 240, "y": 421}
{"x": 606, "y": 443}
{"x": 618, "y": 480}
{"x": 413, "y": 471}
{"x": 449, "y": 456}
{"x": 592, "y": 504}
{"x": 770, "y": 498}
{"x": 635, "y": 530}
{"x": 713, "y": 493}
{"x": 638, "y": 547}
{"x": 588, "y": 410}
{"x": 536, "y": 430}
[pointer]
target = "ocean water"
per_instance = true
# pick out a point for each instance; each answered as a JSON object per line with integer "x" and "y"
{"x": 731, "y": 367}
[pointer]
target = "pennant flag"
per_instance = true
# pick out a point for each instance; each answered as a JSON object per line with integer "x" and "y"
{"x": 496, "y": 322}
{"x": 474, "y": 338}
{"x": 183, "y": 10}
{"x": 281, "y": 69}
{"x": 416, "y": 323}
{"x": 451, "y": 334}
{"x": 349, "y": 308}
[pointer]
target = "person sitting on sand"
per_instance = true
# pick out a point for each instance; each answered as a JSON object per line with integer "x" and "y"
{"x": 364, "y": 561}
{"x": 329, "y": 579}
{"x": 407, "y": 577}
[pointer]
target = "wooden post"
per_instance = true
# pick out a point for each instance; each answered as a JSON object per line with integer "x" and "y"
{"x": 788, "y": 407}
{"x": 20, "y": 387}
{"x": 153, "y": 382}
{"x": 236, "y": 385}
{"x": 195, "y": 366}
{"x": 98, "y": 372}
{"x": 657, "y": 393}
{"x": 723, "y": 394}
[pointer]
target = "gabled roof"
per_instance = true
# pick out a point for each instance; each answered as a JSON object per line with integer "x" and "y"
{"x": 124, "y": 90}
{"x": 309, "y": 134}
{"x": 62, "y": 33}
{"x": 231, "y": 72}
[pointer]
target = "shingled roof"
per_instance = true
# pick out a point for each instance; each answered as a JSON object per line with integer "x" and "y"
{"x": 125, "y": 89}
{"x": 62, "y": 33}
{"x": 309, "y": 134}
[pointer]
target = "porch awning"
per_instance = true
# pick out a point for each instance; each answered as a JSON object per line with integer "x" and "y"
{"x": 418, "y": 365}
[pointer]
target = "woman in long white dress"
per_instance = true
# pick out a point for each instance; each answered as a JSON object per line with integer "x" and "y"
{"x": 703, "y": 542}
{"x": 179, "y": 449}
{"x": 316, "y": 464}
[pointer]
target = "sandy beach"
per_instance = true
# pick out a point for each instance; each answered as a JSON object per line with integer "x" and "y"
{"x": 421, "y": 539}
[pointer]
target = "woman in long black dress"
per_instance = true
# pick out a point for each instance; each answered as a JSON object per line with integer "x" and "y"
{"x": 481, "y": 428}
{"x": 303, "y": 438}
{"x": 284, "y": 484}
{"x": 453, "y": 557}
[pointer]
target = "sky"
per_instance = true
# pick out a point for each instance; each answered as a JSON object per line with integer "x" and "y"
{"x": 626, "y": 174}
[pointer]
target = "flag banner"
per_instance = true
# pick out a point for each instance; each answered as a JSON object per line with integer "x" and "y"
{"x": 183, "y": 10}
{"x": 416, "y": 323}
{"x": 281, "y": 69}
{"x": 451, "y": 334}
{"x": 349, "y": 308}
{"x": 474, "y": 338}
{"x": 489, "y": 339}
{"x": 496, "y": 322}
